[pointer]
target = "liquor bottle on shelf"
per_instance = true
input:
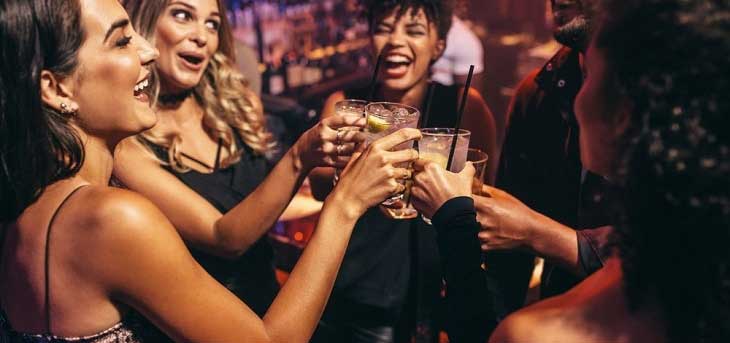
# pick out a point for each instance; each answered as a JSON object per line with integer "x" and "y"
{"x": 294, "y": 70}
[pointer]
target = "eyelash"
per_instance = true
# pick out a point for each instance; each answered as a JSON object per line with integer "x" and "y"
{"x": 123, "y": 42}
{"x": 216, "y": 25}
{"x": 187, "y": 16}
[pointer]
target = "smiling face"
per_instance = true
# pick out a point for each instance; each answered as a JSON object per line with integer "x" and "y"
{"x": 110, "y": 85}
{"x": 410, "y": 44}
{"x": 187, "y": 36}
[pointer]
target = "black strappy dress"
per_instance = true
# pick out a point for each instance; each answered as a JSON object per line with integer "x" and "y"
{"x": 250, "y": 277}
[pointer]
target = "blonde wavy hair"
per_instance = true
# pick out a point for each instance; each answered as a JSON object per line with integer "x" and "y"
{"x": 228, "y": 104}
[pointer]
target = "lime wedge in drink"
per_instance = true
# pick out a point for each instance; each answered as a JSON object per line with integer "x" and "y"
{"x": 377, "y": 125}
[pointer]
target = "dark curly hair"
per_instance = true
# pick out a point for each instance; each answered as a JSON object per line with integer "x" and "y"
{"x": 670, "y": 59}
{"x": 438, "y": 12}
{"x": 37, "y": 144}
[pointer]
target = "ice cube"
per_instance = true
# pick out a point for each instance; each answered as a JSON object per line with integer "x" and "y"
{"x": 376, "y": 109}
{"x": 401, "y": 112}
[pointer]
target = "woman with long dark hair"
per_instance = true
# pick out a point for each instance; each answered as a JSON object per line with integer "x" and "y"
{"x": 84, "y": 262}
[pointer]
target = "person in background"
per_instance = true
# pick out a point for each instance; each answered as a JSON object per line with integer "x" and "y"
{"x": 653, "y": 119}
{"x": 653, "y": 113}
{"x": 85, "y": 262}
{"x": 376, "y": 278}
{"x": 463, "y": 49}
{"x": 204, "y": 164}
{"x": 547, "y": 204}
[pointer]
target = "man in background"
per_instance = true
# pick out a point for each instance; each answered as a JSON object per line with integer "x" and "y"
{"x": 540, "y": 165}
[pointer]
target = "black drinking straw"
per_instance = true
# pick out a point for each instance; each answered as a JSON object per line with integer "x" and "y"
{"x": 459, "y": 115}
{"x": 374, "y": 80}
{"x": 427, "y": 109}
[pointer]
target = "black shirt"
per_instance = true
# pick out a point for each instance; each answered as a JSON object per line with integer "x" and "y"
{"x": 377, "y": 266}
{"x": 250, "y": 277}
{"x": 540, "y": 165}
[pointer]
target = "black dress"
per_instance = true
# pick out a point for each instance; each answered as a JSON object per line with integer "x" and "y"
{"x": 251, "y": 277}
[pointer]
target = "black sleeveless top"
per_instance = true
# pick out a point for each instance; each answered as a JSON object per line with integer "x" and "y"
{"x": 250, "y": 277}
{"x": 377, "y": 266}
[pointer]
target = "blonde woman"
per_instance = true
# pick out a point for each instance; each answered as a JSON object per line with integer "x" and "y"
{"x": 204, "y": 163}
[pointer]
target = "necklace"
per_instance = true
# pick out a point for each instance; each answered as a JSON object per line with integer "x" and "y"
{"x": 168, "y": 100}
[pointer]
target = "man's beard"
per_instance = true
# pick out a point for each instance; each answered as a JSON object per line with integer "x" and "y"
{"x": 574, "y": 34}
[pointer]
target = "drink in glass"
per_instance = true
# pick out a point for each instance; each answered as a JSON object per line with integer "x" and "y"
{"x": 384, "y": 118}
{"x": 435, "y": 146}
{"x": 478, "y": 159}
{"x": 348, "y": 107}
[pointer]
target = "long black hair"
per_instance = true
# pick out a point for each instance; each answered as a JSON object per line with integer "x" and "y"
{"x": 37, "y": 144}
{"x": 670, "y": 59}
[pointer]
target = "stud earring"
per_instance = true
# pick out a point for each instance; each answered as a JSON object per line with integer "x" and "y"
{"x": 65, "y": 109}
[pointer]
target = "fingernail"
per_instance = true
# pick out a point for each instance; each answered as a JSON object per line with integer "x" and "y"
{"x": 484, "y": 247}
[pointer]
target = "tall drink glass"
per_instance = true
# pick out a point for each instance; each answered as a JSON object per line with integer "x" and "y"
{"x": 435, "y": 146}
{"x": 479, "y": 160}
{"x": 384, "y": 118}
{"x": 348, "y": 107}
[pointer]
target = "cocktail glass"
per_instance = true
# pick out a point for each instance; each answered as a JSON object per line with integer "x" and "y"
{"x": 435, "y": 146}
{"x": 384, "y": 118}
{"x": 348, "y": 107}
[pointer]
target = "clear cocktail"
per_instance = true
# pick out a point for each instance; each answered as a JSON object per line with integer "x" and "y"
{"x": 384, "y": 118}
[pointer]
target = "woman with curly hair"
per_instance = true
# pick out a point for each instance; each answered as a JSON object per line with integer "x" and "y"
{"x": 653, "y": 114}
{"x": 205, "y": 162}
{"x": 377, "y": 275}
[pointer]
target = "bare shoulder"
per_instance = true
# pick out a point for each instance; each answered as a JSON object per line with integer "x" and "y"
{"x": 476, "y": 104}
{"x": 115, "y": 211}
{"x": 556, "y": 319}
{"x": 521, "y": 326}
{"x": 121, "y": 231}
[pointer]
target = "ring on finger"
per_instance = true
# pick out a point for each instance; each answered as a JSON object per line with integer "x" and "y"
{"x": 340, "y": 133}
{"x": 340, "y": 149}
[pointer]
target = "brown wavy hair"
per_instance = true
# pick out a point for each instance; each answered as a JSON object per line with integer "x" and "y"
{"x": 228, "y": 104}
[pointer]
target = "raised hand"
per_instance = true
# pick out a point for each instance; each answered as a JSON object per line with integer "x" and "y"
{"x": 433, "y": 186}
{"x": 329, "y": 143}
{"x": 372, "y": 175}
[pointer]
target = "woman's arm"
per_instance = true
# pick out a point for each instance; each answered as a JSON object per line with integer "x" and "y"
{"x": 229, "y": 234}
{"x": 141, "y": 261}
